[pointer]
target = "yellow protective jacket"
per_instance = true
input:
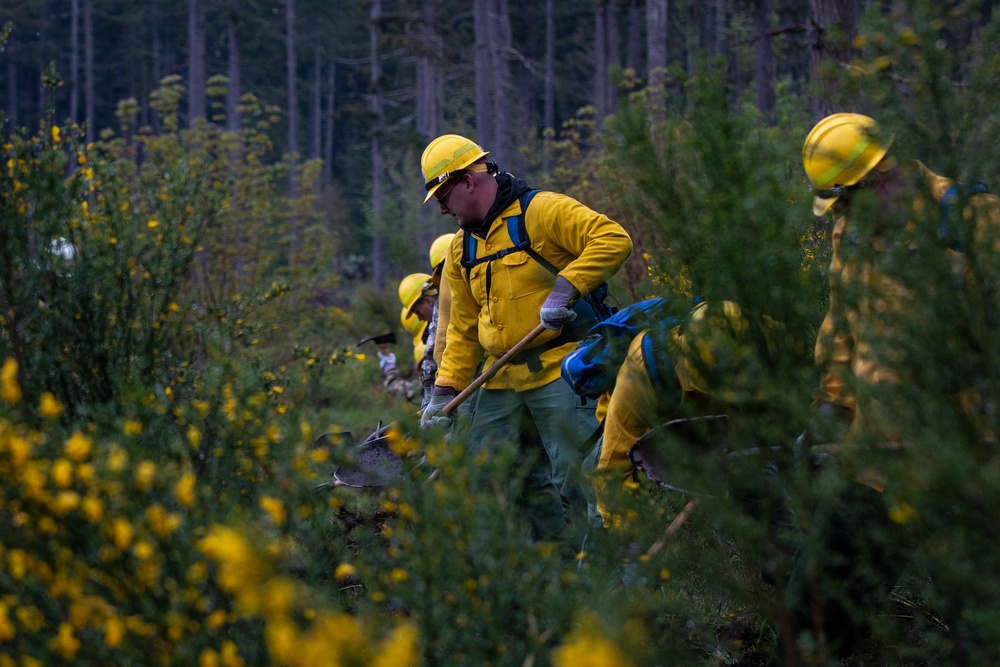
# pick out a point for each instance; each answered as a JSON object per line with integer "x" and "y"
{"x": 444, "y": 316}
{"x": 864, "y": 300}
{"x": 587, "y": 247}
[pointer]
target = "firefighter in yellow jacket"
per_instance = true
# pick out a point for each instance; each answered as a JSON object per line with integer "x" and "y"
{"x": 858, "y": 347}
{"x": 891, "y": 218}
{"x": 520, "y": 257}
{"x": 689, "y": 370}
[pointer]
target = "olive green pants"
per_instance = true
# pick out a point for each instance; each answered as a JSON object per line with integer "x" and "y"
{"x": 548, "y": 424}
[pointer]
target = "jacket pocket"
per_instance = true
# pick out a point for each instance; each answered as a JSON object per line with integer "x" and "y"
{"x": 524, "y": 276}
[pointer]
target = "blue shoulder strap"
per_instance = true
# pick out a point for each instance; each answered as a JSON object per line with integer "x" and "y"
{"x": 946, "y": 231}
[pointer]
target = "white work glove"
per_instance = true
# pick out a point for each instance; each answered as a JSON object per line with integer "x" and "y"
{"x": 428, "y": 394}
{"x": 556, "y": 312}
{"x": 431, "y": 416}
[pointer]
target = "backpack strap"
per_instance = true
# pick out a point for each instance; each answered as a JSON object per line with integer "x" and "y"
{"x": 518, "y": 232}
{"x": 946, "y": 231}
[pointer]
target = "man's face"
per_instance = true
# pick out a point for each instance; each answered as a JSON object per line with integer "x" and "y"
{"x": 424, "y": 309}
{"x": 455, "y": 199}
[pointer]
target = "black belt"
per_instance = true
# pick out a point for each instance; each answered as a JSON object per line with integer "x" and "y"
{"x": 532, "y": 356}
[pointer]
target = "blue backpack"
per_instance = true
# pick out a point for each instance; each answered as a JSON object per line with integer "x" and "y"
{"x": 591, "y": 368}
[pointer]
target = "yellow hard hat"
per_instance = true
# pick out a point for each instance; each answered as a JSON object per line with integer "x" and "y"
{"x": 838, "y": 152}
{"x": 413, "y": 324}
{"x": 439, "y": 249}
{"x": 447, "y": 156}
{"x": 411, "y": 288}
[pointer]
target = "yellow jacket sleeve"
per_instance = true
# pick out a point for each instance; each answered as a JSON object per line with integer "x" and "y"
{"x": 496, "y": 304}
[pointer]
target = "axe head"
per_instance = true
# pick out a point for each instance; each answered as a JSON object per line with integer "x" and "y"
{"x": 379, "y": 339}
{"x": 373, "y": 463}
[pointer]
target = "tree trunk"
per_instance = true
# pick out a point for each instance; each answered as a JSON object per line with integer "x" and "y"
{"x": 234, "y": 91}
{"x": 830, "y": 29}
{"x": 316, "y": 106}
{"x": 550, "y": 83}
{"x": 196, "y": 61}
{"x": 484, "y": 78}
{"x": 74, "y": 60}
{"x": 633, "y": 57}
{"x": 12, "y": 94}
{"x": 614, "y": 59}
{"x": 379, "y": 261}
{"x": 291, "y": 72}
{"x": 331, "y": 93}
{"x": 656, "y": 58}
{"x": 88, "y": 67}
{"x": 157, "y": 57}
{"x": 503, "y": 100}
{"x": 600, "y": 62}
{"x": 694, "y": 16}
{"x": 427, "y": 108}
{"x": 763, "y": 61}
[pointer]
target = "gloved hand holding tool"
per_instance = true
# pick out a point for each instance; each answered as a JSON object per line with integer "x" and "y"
{"x": 432, "y": 414}
{"x": 557, "y": 311}
{"x": 377, "y": 465}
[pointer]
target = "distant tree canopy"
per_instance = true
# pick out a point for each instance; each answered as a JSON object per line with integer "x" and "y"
{"x": 366, "y": 98}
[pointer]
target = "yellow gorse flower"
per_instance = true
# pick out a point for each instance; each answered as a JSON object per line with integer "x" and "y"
{"x": 586, "y": 646}
{"x": 77, "y": 446}
{"x": 10, "y": 389}
{"x": 274, "y": 508}
{"x": 49, "y": 406}
{"x": 184, "y": 490}
{"x": 399, "y": 649}
{"x": 145, "y": 473}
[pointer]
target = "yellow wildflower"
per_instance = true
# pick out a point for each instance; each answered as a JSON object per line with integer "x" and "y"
{"x": 153, "y": 224}
{"x": 17, "y": 563}
{"x": 902, "y": 513}
{"x": 77, "y": 446}
{"x": 399, "y": 649}
{"x": 114, "y": 631}
{"x": 229, "y": 655}
{"x": 208, "y": 658}
{"x": 49, "y": 406}
{"x": 398, "y": 575}
{"x": 133, "y": 427}
{"x": 360, "y": 356}
{"x": 283, "y": 643}
{"x": 216, "y": 619}
{"x": 586, "y": 646}
{"x": 66, "y": 642}
{"x": 65, "y": 502}
{"x": 93, "y": 509}
{"x": 118, "y": 459}
{"x": 274, "y": 508}
{"x": 343, "y": 571}
{"x": 10, "y": 389}
{"x": 122, "y": 533}
{"x": 161, "y": 522}
{"x": 55, "y": 133}
{"x": 145, "y": 472}
{"x": 194, "y": 436}
{"x": 7, "y": 631}
{"x": 62, "y": 473}
{"x": 184, "y": 490}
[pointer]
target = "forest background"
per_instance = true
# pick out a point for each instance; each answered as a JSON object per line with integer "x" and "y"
{"x": 240, "y": 182}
